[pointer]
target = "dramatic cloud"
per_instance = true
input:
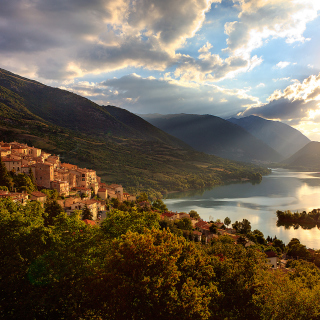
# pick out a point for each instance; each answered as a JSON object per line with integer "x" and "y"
{"x": 62, "y": 39}
{"x": 149, "y": 95}
{"x": 297, "y": 104}
{"x": 260, "y": 20}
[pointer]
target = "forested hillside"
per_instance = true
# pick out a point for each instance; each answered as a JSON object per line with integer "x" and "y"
{"x": 128, "y": 151}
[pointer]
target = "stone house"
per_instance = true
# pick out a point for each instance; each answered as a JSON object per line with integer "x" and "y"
{"x": 44, "y": 174}
{"x": 115, "y": 191}
{"x": 34, "y": 152}
{"x": 12, "y": 163}
{"x": 272, "y": 259}
{"x": 103, "y": 193}
{"x": 61, "y": 186}
{"x": 22, "y": 197}
{"x": 38, "y": 196}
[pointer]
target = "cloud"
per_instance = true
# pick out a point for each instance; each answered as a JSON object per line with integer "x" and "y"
{"x": 260, "y": 85}
{"x": 65, "y": 39}
{"x": 260, "y": 20}
{"x": 148, "y": 95}
{"x": 298, "y": 102}
{"x": 283, "y": 64}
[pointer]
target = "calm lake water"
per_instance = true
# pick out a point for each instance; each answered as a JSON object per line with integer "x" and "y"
{"x": 281, "y": 190}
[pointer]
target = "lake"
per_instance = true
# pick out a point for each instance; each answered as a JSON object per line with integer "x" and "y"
{"x": 281, "y": 190}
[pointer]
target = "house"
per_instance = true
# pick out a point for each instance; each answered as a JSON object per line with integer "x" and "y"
{"x": 170, "y": 215}
{"x": 272, "y": 259}
{"x": 61, "y": 186}
{"x": 115, "y": 191}
{"x": 12, "y": 163}
{"x": 197, "y": 235}
{"x": 44, "y": 174}
{"x": 103, "y": 193}
{"x": 38, "y": 196}
{"x": 15, "y": 196}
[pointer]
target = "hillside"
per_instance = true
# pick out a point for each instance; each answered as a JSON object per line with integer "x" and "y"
{"x": 279, "y": 136}
{"x": 213, "y": 135}
{"x": 118, "y": 144}
{"x": 307, "y": 158}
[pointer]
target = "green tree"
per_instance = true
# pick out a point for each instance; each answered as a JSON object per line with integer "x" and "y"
{"x": 86, "y": 213}
{"x": 23, "y": 183}
{"x": 227, "y": 221}
{"x": 52, "y": 210}
{"x": 5, "y": 179}
{"x": 119, "y": 222}
{"x": 183, "y": 224}
{"x": 194, "y": 214}
{"x": 161, "y": 276}
{"x": 213, "y": 228}
{"x": 142, "y": 197}
{"x": 33, "y": 180}
{"x": 159, "y": 205}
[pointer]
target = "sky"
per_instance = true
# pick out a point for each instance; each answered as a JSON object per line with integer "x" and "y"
{"x": 221, "y": 57}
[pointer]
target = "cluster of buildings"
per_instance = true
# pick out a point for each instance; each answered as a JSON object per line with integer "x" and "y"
{"x": 202, "y": 228}
{"x": 67, "y": 179}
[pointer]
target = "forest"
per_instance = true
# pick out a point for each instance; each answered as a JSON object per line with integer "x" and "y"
{"x": 132, "y": 266}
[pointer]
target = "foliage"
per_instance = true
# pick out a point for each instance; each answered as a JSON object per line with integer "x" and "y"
{"x": 50, "y": 193}
{"x": 159, "y": 205}
{"x": 227, "y": 221}
{"x": 119, "y": 222}
{"x": 22, "y": 182}
{"x": 305, "y": 220}
{"x": 194, "y": 214}
{"x": 5, "y": 178}
{"x": 243, "y": 227}
{"x": 86, "y": 213}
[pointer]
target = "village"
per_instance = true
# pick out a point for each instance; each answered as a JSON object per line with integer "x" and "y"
{"x": 74, "y": 185}
{"x": 80, "y": 188}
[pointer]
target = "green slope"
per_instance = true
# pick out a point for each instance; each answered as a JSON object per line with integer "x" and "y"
{"x": 122, "y": 147}
{"x": 213, "y": 135}
{"x": 307, "y": 158}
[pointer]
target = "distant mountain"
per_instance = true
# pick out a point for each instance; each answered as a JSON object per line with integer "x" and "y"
{"x": 122, "y": 147}
{"x": 307, "y": 158}
{"x": 31, "y": 100}
{"x": 213, "y": 135}
{"x": 279, "y": 136}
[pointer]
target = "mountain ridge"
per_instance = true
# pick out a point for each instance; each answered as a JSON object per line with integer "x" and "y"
{"x": 214, "y": 135}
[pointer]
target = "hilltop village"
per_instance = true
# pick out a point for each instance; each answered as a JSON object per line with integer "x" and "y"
{"x": 74, "y": 185}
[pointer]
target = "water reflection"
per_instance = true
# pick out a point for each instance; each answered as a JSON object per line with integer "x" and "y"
{"x": 282, "y": 190}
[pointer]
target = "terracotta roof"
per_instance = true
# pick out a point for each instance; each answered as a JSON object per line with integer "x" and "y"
{"x": 102, "y": 190}
{"x": 271, "y": 254}
{"x": 38, "y": 194}
{"x": 89, "y": 222}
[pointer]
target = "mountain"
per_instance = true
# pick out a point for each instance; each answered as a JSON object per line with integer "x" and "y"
{"x": 121, "y": 146}
{"x": 213, "y": 135}
{"x": 307, "y": 158}
{"x": 279, "y": 136}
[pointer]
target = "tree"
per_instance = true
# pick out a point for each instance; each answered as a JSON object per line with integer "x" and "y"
{"x": 52, "y": 210}
{"x": 194, "y": 214}
{"x": 86, "y": 213}
{"x": 24, "y": 183}
{"x": 5, "y": 179}
{"x": 119, "y": 222}
{"x": 161, "y": 276}
{"x": 243, "y": 227}
{"x": 159, "y": 205}
{"x": 227, "y": 221}
{"x": 183, "y": 224}
{"x": 213, "y": 228}
{"x": 33, "y": 180}
{"x": 142, "y": 197}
